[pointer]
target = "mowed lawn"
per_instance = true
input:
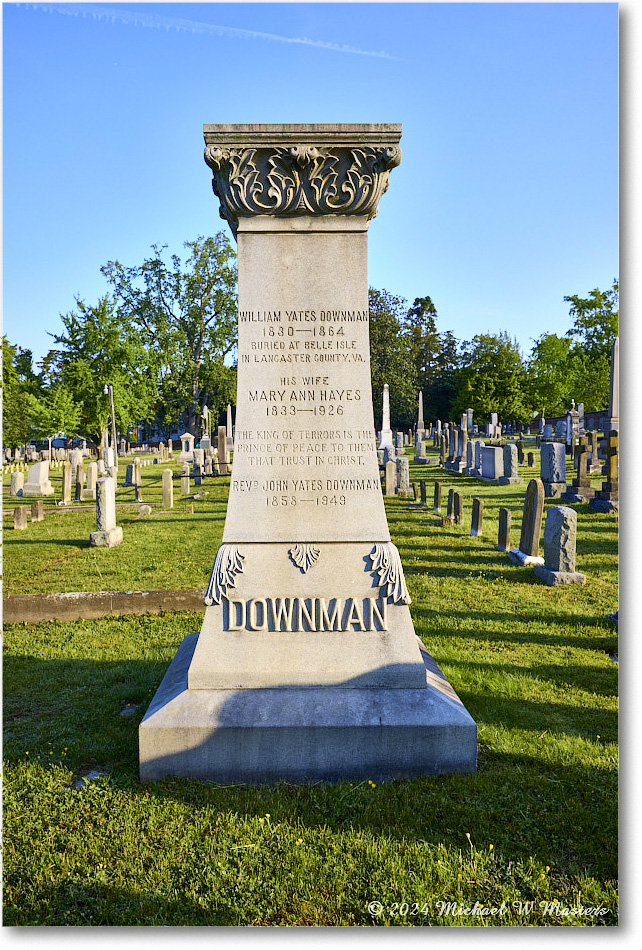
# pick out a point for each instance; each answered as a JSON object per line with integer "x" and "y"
{"x": 531, "y": 835}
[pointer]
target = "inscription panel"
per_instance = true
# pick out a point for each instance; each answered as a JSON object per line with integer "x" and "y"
{"x": 305, "y": 466}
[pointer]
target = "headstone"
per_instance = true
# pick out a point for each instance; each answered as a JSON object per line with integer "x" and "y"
{"x": 420, "y": 451}
{"x": 122, "y": 448}
{"x": 469, "y": 468}
{"x": 385, "y": 436}
{"x": 580, "y": 413}
{"x": 479, "y": 446}
{"x": 458, "y": 508}
{"x": 294, "y": 647}
{"x": 450, "y": 507}
{"x": 100, "y": 469}
{"x": 187, "y": 447}
{"x": 38, "y": 481}
{"x": 207, "y": 465}
{"x": 229, "y": 443}
{"x": 503, "y": 538}
{"x": 437, "y": 497}
{"x": 185, "y": 484}
{"x": 607, "y": 499}
{"x": 520, "y": 452}
{"x": 492, "y": 463}
{"x": 442, "y": 451}
{"x": 476, "y": 528}
{"x": 580, "y": 489}
{"x": 595, "y": 466}
{"x": 613, "y": 420}
{"x": 66, "y": 484}
{"x": 89, "y": 492}
{"x": 553, "y": 469}
{"x": 16, "y": 486}
{"x": 463, "y": 422}
{"x": 530, "y": 458}
{"x": 528, "y": 550}
{"x": 469, "y": 420}
{"x": 38, "y": 510}
{"x": 107, "y": 533}
{"x": 403, "y": 477}
{"x": 20, "y": 518}
{"x": 511, "y": 470}
{"x": 560, "y": 535}
{"x": 391, "y": 477}
{"x": 110, "y": 458}
{"x": 548, "y": 431}
{"x": 168, "y": 489}
{"x": 80, "y": 481}
{"x": 222, "y": 451}
{"x": 422, "y": 491}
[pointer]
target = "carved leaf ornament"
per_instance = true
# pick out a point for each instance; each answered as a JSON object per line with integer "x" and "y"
{"x": 304, "y": 555}
{"x": 387, "y": 563}
{"x": 300, "y": 180}
{"x": 227, "y": 564}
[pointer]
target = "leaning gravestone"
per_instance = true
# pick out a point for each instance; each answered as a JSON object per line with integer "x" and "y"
{"x": 16, "y": 486}
{"x": 306, "y": 667}
{"x": 528, "y": 550}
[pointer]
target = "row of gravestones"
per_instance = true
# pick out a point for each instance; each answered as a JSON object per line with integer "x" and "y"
{"x": 557, "y": 567}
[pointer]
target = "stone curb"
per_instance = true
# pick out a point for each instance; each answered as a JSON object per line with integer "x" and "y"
{"x": 37, "y": 608}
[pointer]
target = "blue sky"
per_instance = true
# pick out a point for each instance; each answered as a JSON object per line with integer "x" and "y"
{"x": 505, "y": 201}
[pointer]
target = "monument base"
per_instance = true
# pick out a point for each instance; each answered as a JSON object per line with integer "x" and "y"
{"x": 106, "y": 539}
{"x": 558, "y": 578}
{"x": 554, "y": 489}
{"x": 510, "y": 480}
{"x": 603, "y": 505}
{"x": 262, "y": 736}
{"x": 34, "y": 491}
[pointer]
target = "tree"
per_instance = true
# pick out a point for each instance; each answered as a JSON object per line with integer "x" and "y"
{"x": 391, "y": 359}
{"x": 595, "y": 327}
{"x": 551, "y": 374}
{"x": 99, "y": 348}
{"x": 20, "y": 385}
{"x": 493, "y": 379}
{"x": 187, "y": 316}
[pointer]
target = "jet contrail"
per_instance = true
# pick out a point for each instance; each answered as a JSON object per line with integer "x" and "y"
{"x": 116, "y": 14}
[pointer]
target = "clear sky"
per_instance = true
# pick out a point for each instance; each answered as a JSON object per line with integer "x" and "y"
{"x": 505, "y": 200}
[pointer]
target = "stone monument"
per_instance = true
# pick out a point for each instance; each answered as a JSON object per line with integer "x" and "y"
{"x": 306, "y": 667}
{"x": 385, "y": 436}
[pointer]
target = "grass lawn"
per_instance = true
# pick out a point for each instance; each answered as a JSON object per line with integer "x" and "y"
{"x": 534, "y": 829}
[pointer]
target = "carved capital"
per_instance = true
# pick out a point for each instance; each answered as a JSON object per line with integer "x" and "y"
{"x": 300, "y": 170}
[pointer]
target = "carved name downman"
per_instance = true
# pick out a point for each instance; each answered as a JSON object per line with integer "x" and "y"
{"x": 300, "y": 178}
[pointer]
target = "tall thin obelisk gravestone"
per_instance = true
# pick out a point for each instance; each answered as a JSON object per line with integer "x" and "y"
{"x": 307, "y": 666}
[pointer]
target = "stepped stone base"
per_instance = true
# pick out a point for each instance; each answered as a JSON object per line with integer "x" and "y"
{"x": 604, "y": 506}
{"x": 304, "y": 734}
{"x": 558, "y": 578}
{"x": 554, "y": 489}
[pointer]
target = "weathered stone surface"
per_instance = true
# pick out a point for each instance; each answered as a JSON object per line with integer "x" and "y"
{"x": 560, "y": 535}
{"x": 458, "y": 508}
{"x": 16, "y": 485}
{"x": 107, "y": 534}
{"x": 37, "y": 510}
{"x": 20, "y": 518}
{"x": 437, "y": 497}
{"x": 553, "y": 469}
{"x": 391, "y": 477}
{"x": 403, "y": 476}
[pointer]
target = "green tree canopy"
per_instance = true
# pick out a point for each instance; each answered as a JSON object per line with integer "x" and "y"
{"x": 187, "y": 317}
{"x": 493, "y": 379}
{"x": 391, "y": 359}
{"x": 99, "y": 347}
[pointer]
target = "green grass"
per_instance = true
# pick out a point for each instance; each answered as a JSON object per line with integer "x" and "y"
{"x": 537, "y": 822}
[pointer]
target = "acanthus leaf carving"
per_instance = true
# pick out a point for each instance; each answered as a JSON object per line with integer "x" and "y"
{"x": 387, "y": 563}
{"x": 304, "y": 555}
{"x": 298, "y": 180}
{"x": 227, "y": 564}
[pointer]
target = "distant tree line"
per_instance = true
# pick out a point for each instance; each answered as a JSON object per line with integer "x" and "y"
{"x": 489, "y": 373}
{"x": 165, "y": 336}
